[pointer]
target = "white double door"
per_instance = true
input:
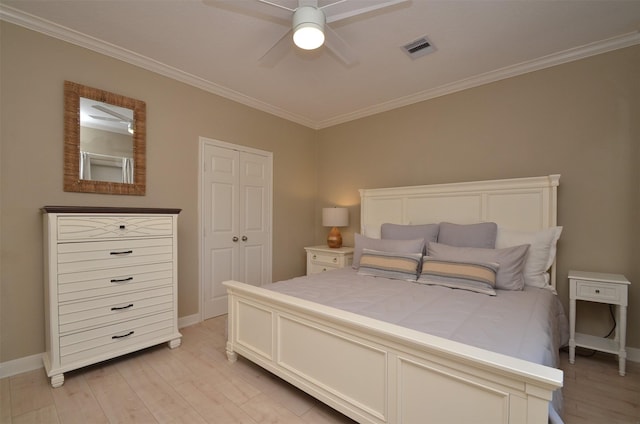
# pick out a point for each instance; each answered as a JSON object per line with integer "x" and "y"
{"x": 236, "y": 214}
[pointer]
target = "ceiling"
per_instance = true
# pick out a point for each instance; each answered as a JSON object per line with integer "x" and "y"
{"x": 217, "y": 47}
{"x": 105, "y": 116}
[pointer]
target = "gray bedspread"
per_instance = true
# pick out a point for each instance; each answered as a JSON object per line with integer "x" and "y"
{"x": 528, "y": 324}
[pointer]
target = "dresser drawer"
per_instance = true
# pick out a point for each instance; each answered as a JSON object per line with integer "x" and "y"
{"x": 76, "y": 316}
{"x": 81, "y": 227}
{"x": 109, "y": 340}
{"x": 86, "y": 256}
{"x": 605, "y": 293}
{"x": 81, "y": 285}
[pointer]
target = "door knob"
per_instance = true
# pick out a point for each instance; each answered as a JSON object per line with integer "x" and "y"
{"x": 234, "y": 238}
{"x": 244, "y": 238}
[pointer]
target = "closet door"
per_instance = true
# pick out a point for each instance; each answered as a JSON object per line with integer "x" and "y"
{"x": 237, "y": 222}
{"x": 254, "y": 259}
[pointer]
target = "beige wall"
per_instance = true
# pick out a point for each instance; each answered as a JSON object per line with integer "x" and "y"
{"x": 578, "y": 119}
{"x": 581, "y": 120}
{"x": 33, "y": 69}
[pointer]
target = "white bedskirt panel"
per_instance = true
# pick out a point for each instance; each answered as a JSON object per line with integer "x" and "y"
{"x": 472, "y": 399}
{"x": 351, "y": 369}
{"x": 376, "y": 372}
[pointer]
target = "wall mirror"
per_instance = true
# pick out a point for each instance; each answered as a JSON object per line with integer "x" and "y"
{"x": 104, "y": 141}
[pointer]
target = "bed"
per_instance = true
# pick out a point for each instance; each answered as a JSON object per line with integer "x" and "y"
{"x": 336, "y": 337}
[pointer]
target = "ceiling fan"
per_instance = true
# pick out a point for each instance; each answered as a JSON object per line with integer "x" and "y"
{"x": 115, "y": 117}
{"x": 309, "y": 19}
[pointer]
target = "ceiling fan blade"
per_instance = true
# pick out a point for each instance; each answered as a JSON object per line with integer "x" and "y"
{"x": 106, "y": 118}
{"x": 112, "y": 113}
{"x": 274, "y": 4}
{"x": 343, "y": 10}
{"x": 338, "y": 47}
{"x": 257, "y": 8}
{"x": 278, "y": 50}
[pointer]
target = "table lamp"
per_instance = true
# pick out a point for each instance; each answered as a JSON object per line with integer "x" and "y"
{"x": 334, "y": 218}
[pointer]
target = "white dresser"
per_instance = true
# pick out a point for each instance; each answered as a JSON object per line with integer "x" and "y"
{"x": 110, "y": 283}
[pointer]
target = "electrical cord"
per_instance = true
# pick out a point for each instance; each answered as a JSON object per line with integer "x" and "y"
{"x": 615, "y": 324}
{"x": 587, "y": 353}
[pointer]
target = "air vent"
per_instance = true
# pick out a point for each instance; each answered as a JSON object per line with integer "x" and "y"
{"x": 418, "y": 48}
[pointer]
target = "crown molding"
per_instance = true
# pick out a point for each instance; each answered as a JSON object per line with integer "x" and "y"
{"x": 54, "y": 30}
{"x": 60, "y": 32}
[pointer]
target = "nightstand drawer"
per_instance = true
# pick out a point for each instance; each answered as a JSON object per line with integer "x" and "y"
{"x": 607, "y": 293}
{"x": 317, "y": 268}
{"x": 326, "y": 258}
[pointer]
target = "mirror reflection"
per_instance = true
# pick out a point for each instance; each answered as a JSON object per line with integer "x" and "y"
{"x": 106, "y": 142}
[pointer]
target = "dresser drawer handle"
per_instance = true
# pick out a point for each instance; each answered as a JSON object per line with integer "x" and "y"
{"x": 335, "y": 260}
{"x": 119, "y": 308}
{"x": 597, "y": 291}
{"x": 123, "y": 252}
{"x": 123, "y": 336}
{"x": 121, "y": 280}
{"x": 122, "y": 227}
{"x": 314, "y": 256}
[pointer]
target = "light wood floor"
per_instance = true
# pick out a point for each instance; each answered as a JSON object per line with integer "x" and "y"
{"x": 196, "y": 384}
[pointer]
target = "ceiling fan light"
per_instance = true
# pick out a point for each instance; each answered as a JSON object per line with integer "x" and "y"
{"x": 308, "y": 37}
{"x": 308, "y": 27}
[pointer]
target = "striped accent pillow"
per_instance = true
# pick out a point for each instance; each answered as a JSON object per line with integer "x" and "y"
{"x": 474, "y": 276}
{"x": 395, "y": 265}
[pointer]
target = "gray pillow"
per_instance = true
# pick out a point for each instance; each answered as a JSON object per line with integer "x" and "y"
{"x": 408, "y": 232}
{"x": 510, "y": 261}
{"x": 482, "y": 234}
{"x": 400, "y": 246}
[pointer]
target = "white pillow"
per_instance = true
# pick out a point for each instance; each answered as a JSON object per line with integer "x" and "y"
{"x": 541, "y": 253}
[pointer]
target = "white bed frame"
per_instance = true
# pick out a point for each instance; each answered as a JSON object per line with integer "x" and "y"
{"x": 375, "y": 372}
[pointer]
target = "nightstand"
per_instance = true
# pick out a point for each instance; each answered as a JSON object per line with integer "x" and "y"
{"x": 324, "y": 258}
{"x": 602, "y": 288}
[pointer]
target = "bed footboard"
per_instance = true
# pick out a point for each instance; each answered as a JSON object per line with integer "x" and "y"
{"x": 375, "y": 372}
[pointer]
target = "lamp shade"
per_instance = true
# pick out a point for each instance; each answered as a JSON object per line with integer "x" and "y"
{"x": 335, "y": 217}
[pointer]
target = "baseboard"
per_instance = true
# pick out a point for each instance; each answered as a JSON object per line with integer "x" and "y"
{"x": 188, "y": 320}
{"x": 633, "y": 354}
{"x": 20, "y": 365}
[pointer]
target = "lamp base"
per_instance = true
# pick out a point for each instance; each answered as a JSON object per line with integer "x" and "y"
{"x": 334, "y": 240}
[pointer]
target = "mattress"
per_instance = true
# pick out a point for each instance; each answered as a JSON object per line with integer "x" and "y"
{"x": 528, "y": 324}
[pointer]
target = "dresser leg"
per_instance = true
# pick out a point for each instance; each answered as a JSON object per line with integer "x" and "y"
{"x": 57, "y": 380}
{"x": 174, "y": 343}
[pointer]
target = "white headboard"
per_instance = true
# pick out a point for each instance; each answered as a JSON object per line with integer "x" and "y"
{"x": 527, "y": 204}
